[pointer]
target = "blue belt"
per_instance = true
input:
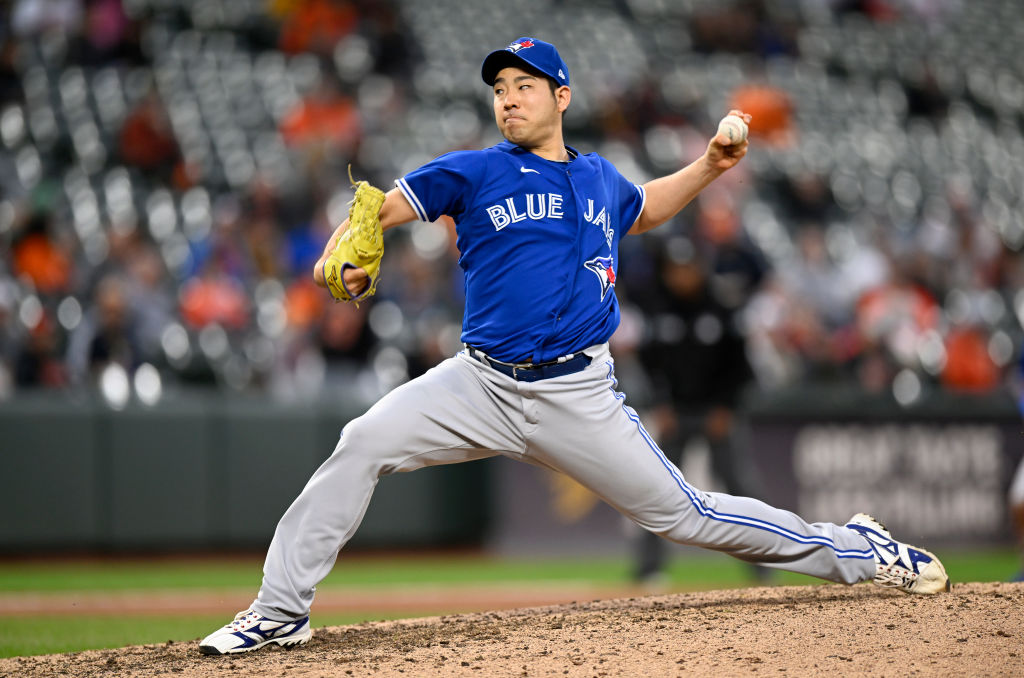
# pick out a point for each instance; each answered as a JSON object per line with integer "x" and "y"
{"x": 570, "y": 364}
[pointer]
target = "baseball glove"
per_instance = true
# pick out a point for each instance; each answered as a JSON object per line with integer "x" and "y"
{"x": 361, "y": 246}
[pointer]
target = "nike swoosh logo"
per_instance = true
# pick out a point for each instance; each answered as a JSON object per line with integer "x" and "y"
{"x": 524, "y": 170}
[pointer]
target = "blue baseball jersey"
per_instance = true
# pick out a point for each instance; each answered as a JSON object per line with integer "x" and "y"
{"x": 538, "y": 242}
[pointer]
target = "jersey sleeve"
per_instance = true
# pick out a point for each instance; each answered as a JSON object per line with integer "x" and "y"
{"x": 443, "y": 185}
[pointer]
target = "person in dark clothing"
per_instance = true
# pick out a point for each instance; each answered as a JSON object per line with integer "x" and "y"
{"x": 697, "y": 363}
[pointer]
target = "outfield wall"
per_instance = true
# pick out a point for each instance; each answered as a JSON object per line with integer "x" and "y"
{"x": 201, "y": 471}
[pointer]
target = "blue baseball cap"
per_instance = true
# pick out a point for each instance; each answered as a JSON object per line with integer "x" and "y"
{"x": 536, "y": 54}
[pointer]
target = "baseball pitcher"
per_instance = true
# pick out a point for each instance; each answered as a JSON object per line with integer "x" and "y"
{"x": 538, "y": 229}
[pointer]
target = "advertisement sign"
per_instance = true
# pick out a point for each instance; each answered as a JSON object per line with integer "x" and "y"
{"x": 924, "y": 478}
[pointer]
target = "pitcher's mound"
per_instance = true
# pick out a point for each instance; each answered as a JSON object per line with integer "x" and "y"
{"x": 976, "y": 630}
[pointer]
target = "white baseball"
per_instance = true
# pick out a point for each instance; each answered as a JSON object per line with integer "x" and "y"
{"x": 734, "y": 128}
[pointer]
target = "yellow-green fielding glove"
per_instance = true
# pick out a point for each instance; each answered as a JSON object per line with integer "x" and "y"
{"x": 361, "y": 246}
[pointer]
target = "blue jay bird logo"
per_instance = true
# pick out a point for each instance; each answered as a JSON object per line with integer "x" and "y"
{"x": 522, "y": 44}
{"x": 603, "y": 268}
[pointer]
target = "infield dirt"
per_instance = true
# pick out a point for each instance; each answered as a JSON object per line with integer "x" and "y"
{"x": 976, "y": 630}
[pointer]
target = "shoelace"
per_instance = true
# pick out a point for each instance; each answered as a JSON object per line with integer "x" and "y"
{"x": 241, "y": 617}
{"x": 895, "y": 577}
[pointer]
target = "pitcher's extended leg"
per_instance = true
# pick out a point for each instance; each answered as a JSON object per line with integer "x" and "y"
{"x": 589, "y": 433}
{"x": 445, "y": 416}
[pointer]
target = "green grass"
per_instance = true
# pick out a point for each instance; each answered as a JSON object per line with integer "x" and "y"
{"x": 116, "y": 575}
{"x": 45, "y": 634}
{"x": 701, "y": 572}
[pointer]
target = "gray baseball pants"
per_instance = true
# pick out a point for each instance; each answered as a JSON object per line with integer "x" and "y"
{"x": 576, "y": 424}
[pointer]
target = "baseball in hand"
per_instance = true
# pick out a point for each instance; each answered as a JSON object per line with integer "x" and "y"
{"x": 733, "y": 128}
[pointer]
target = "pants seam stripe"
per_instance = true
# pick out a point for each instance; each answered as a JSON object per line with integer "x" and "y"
{"x": 711, "y": 513}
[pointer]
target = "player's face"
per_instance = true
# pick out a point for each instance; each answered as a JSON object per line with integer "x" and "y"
{"x": 528, "y": 113}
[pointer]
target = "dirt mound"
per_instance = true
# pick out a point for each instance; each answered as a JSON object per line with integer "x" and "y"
{"x": 792, "y": 631}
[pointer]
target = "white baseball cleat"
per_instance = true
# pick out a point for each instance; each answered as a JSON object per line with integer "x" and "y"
{"x": 250, "y": 631}
{"x": 898, "y": 565}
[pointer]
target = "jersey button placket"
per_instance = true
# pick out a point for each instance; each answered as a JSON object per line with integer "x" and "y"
{"x": 572, "y": 278}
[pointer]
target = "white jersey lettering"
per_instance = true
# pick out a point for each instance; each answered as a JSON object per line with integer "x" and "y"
{"x": 534, "y": 206}
{"x": 554, "y": 206}
{"x": 535, "y": 211}
{"x": 602, "y": 219}
{"x": 499, "y": 217}
{"x": 515, "y": 216}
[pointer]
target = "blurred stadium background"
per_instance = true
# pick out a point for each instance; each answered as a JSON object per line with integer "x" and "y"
{"x": 834, "y": 326}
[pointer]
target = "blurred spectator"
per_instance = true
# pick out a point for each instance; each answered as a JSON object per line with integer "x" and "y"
{"x": 878, "y": 10}
{"x": 214, "y": 297}
{"x": 303, "y": 242}
{"x": 108, "y": 36}
{"x": 771, "y": 113}
{"x": 802, "y": 323}
{"x": 745, "y": 26}
{"x": 344, "y": 336}
{"x": 394, "y": 47}
{"x": 31, "y": 17}
{"x": 969, "y": 367}
{"x": 324, "y": 126}
{"x": 224, "y": 250}
{"x": 108, "y": 333}
{"x": 821, "y": 283}
{"x": 325, "y": 116}
{"x": 10, "y": 84}
{"x": 925, "y": 97}
{"x": 149, "y": 298}
{"x": 737, "y": 266}
{"x": 315, "y": 25}
{"x": 778, "y": 325}
{"x": 261, "y": 227}
{"x": 820, "y": 307}
{"x": 146, "y": 140}
{"x": 305, "y": 304}
{"x": 39, "y": 363}
{"x": 892, "y": 320}
{"x": 216, "y": 294}
{"x": 41, "y": 257}
{"x": 805, "y": 198}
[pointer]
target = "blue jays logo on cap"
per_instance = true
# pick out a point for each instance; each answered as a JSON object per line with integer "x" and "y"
{"x": 520, "y": 44}
{"x": 535, "y": 54}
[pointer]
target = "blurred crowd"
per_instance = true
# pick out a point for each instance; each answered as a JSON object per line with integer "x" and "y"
{"x": 171, "y": 169}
